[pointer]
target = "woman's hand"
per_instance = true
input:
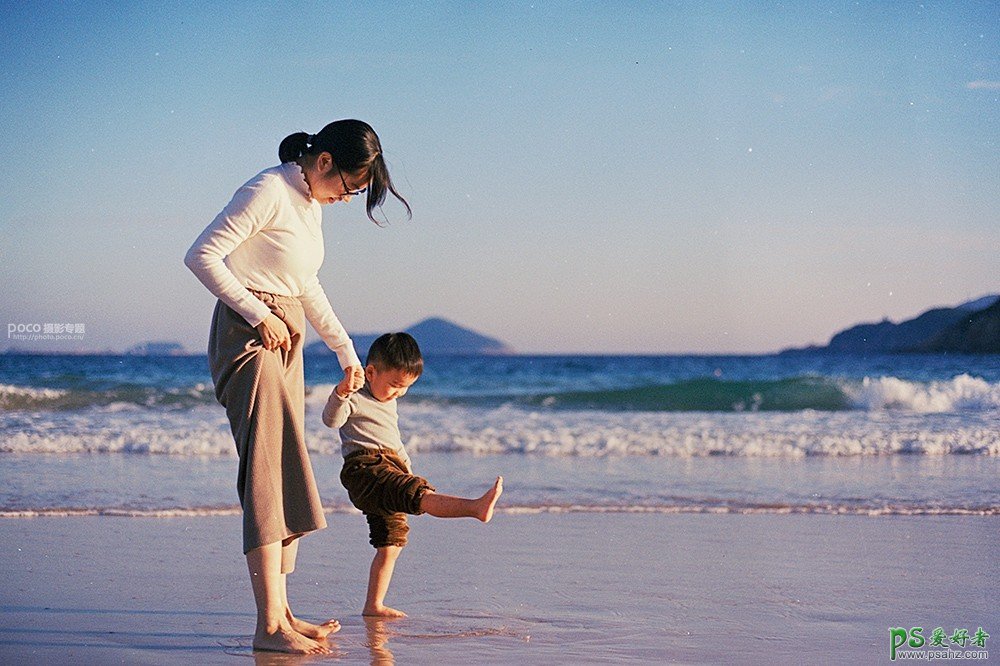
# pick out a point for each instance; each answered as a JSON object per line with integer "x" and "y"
{"x": 354, "y": 379}
{"x": 274, "y": 333}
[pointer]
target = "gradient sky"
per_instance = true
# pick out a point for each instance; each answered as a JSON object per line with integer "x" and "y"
{"x": 585, "y": 177}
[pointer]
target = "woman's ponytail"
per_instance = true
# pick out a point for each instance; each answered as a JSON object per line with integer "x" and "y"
{"x": 293, "y": 147}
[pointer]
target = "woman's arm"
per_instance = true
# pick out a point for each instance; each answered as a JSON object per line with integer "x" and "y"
{"x": 251, "y": 208}
{"x": 320, "y": 314}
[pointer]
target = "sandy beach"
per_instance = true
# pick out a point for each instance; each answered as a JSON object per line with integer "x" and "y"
{"x": 543, "y": 588}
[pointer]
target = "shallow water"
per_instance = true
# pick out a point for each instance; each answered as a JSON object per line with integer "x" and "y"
{"x": 151, "y": 485}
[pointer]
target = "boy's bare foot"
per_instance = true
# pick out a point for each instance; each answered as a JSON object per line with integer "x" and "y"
{"x": 382, "y": 611}
{"x": 489, "y": 500}
{"x": 287, "y": 640}
{"x": 310, "y": 630}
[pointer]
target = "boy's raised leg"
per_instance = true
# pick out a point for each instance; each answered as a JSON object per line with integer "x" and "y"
{"x": 378, "y": 583}
{"x": 448, "y": 506}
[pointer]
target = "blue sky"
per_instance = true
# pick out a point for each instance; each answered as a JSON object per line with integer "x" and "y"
{"x": 585, "y": 177}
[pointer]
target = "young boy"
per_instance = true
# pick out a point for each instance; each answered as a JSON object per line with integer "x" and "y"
{"x": 377, "y": 471}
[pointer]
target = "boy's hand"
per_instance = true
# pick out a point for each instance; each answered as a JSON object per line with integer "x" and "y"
{"x": 354, "y": 379}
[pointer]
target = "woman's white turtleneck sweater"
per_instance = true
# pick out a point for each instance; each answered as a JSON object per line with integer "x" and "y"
{"x": 269, "y": 238}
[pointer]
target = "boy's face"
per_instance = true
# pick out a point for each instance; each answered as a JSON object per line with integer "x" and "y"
{"x": 390, "y": 384}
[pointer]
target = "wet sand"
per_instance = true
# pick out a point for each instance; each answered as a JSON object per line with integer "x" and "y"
{"x": 526, "y": 589}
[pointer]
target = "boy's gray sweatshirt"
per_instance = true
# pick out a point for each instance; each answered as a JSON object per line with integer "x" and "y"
{"x": 365, "y": 423}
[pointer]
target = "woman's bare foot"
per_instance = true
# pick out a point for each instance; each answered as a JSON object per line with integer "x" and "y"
{"x": 486, "y": 503}
{"x": 286, "y": 639}
{"x": 310, "y": 630}
{"x": 382, "y": 611}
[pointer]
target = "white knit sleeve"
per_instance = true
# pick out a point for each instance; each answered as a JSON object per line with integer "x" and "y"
{"x": 320, "y": 314}
{"x": 251, "y": 208}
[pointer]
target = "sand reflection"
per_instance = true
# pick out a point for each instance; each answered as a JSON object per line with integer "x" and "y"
{"x": 378, "y": 641}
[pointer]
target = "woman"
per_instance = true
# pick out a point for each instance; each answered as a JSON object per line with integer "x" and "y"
{"x": 260, "y": 258}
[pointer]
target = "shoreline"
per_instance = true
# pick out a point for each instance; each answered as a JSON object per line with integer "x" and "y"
{"x": 774, "y": 509}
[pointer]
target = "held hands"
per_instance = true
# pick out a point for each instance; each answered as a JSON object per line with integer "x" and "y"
{"x": 354, "y": 379}
{"x": 274, "y": 333}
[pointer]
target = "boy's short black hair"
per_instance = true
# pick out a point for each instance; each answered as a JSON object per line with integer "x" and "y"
{"x": 396, "y": 351}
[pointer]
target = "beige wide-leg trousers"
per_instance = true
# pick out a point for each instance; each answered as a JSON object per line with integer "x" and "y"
{"x": 264, "y": 396}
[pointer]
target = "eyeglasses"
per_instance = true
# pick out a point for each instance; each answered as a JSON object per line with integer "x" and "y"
{"x": 348, "y": 192}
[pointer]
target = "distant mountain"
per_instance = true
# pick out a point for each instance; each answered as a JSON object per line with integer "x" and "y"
{"x": 979, "y": 303}
{"x": 970, "y": 327}
{"x": 889, "y": 337}
{"x": 156, "y": 349}
{"x": 435, "y": 336}
{"x": 975, "y": 333}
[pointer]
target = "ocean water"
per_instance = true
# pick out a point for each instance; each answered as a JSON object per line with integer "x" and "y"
{"x": 801, "y": 433}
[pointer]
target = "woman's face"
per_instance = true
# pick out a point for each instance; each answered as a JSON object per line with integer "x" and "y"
{"x": 328, "y": 185}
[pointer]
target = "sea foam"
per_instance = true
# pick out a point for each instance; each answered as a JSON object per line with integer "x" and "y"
{"x": 962, "y": 393}
{"x": 728, "y": 507}
{"x": 204, "y": 431}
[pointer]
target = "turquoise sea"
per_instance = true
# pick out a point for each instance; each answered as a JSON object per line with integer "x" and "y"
{"x": 802, "y": 433}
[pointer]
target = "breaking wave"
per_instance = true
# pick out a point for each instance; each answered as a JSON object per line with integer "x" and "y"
{"x": 963, "y": 393}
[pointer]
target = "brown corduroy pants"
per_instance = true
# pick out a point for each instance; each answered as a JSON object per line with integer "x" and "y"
{"x": 379, "y": 484}
{"x": 264, "y": 396}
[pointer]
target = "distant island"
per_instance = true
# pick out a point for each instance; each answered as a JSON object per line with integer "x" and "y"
{"x": 969, "y": 328}
{"x": 156, "y": 349}
{"x": 436, "y": 336}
